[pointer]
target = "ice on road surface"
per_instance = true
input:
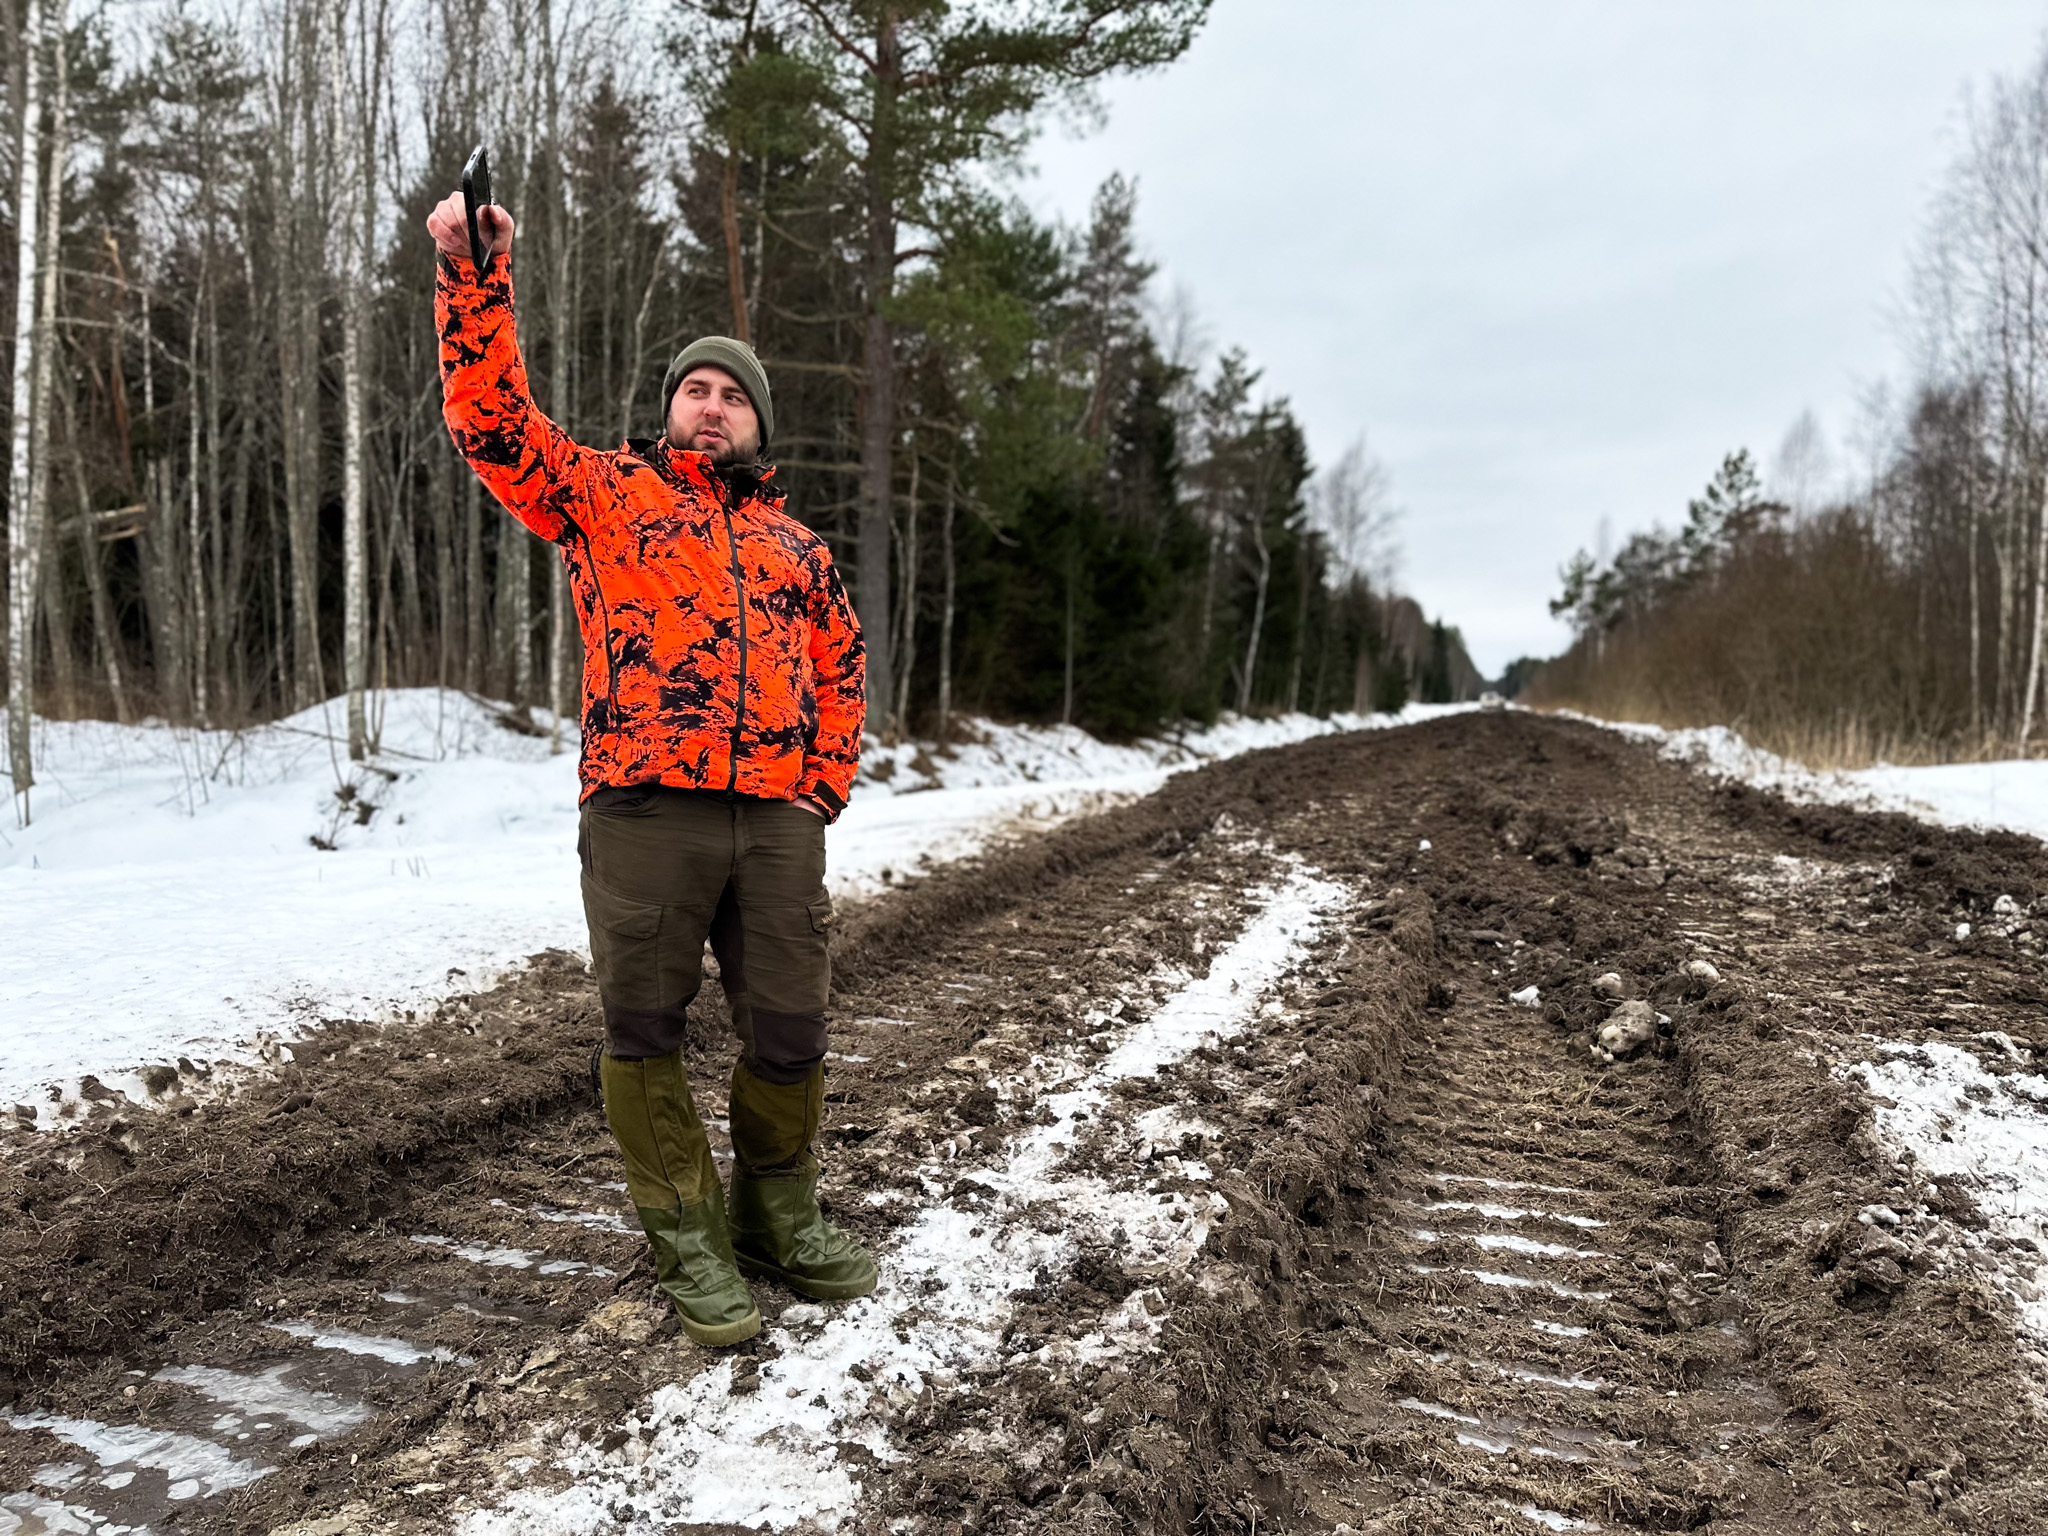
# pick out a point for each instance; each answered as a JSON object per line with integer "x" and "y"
{"x": 169, "y": 898}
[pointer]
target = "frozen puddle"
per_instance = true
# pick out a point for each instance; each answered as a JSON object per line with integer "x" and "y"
{"x": 771, "y": 1457}
{"x": 511, "y": 1258}
{"x": 33, "y": 1514}
{"x": 194, "y": 1467}
{"x": 390, "y": 1351}
{"x": 258, "y": 1401}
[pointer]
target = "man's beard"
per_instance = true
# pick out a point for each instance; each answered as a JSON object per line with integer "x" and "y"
{"x": 725, "y": 452}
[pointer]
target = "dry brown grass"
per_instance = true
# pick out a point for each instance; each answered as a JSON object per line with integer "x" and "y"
{"x": 1825, "y": 747}
{"x": 1814, "y": 644}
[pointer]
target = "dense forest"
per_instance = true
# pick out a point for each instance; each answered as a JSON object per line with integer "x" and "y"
{"x": 231, "y": 494}
{"x": 1901, "y": 614}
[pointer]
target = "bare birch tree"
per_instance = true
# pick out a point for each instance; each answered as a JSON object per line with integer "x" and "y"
{"x": 22, "y": 546}
{"x": 364, "y": 53}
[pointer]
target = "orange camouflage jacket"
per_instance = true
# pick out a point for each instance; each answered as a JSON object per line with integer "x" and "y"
{"x": 720, "y": 651}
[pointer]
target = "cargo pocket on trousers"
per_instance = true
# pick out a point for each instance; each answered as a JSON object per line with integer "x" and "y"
{"x": 625, "y": 947}
{"x": 821, "y": 915}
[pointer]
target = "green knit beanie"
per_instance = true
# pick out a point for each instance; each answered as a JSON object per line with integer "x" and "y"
{"x": 737, "y": 359}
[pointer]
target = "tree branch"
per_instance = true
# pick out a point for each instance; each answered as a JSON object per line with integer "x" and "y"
{"x": 846, "y": 44}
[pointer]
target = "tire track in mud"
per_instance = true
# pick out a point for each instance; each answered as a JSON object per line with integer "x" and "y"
{"x": 1254, "y": 1288}
{"x": 1554, "y": 1332}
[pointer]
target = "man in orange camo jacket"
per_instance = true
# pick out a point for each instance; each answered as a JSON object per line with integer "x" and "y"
{"x": 722, "y": 709}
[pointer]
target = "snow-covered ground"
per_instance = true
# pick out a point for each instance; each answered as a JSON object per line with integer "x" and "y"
{"x": 185, "y": 892}
{"x": 2012, "y": 795}
{"x": 1937, "y": 1104}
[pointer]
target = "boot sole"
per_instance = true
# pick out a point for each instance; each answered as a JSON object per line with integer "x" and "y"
{"x": 724, "y": 1333}
{"x": 817, "y": 1290}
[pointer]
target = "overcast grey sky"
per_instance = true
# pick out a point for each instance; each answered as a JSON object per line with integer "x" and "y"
{"x": 1553, "y": 257}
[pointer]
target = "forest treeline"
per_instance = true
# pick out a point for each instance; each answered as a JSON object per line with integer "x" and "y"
{"x": 231, "y": 494}
{"x": 1900, "y": 616}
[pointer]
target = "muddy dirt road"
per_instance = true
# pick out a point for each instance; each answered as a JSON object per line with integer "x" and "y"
{"x": 1246, "y": 1159}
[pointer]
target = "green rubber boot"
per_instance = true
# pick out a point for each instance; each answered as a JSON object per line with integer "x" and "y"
{"x": 778, "y": 1232}
{"x": 674, "y": 1185}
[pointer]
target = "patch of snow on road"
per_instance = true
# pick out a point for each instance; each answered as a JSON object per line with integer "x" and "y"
{"x": 1988, "y": 1132}
{"x": 770, "y": 1458}
{"x": 184, "y": 893}
{"x": 1511, "y": 1212}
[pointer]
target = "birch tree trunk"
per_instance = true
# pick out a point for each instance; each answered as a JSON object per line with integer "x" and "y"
{"x": 48, "y": 268}
{"x": 21, "y": 551}
{"x": 474, "y": 588}
{"x": 360, "y": 256}
{"x": 158, "y": 553}
{"x": 1976, "y": 615}
{"x": 1067, "y": 648}
{"x": 1206, "y": 629}
{"x": 195, "y": 539}
{"x": 299, "y": 266}
{"x": 2033, "y": 674}
{"x": 1300, "y": 641}
{"x": 355, "y": 632}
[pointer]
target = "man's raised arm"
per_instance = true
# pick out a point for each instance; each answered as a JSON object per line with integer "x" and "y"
{"x": 516, "y": 451}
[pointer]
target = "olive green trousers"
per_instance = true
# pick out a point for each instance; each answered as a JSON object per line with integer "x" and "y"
{"x": 665, "y": 870}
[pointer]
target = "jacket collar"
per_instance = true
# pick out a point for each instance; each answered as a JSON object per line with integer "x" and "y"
{"x": 689, "y": 469}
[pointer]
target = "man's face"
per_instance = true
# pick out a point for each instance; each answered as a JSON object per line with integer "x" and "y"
{"x": 712, "y": 414}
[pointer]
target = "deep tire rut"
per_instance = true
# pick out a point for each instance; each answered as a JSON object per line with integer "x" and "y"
{"x": 1535, "y": 1215}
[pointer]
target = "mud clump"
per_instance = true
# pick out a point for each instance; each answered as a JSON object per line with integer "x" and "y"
{"x": 1631, "y": 1027}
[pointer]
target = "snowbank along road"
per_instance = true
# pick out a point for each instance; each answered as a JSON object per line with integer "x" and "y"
{"x": 1480, "y": 1127}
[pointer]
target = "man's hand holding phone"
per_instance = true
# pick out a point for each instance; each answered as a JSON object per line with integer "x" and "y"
{"x": 449, "y": 225}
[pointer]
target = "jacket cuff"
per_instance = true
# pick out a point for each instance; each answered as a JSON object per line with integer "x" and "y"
{"x": 461, "y": 272}
{"x": 818, "y": 790}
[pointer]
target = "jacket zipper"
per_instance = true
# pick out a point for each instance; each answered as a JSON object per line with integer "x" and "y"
{"x": 611, "y": 671}
{"x": 739, "y": 592}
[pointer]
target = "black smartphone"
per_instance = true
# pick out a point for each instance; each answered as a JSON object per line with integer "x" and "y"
{"x": 476, "y": 193}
